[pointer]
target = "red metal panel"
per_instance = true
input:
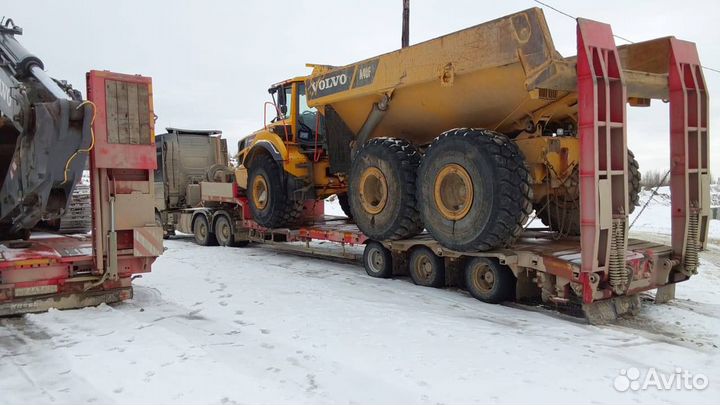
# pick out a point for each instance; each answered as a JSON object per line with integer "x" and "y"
{"x": 689, "y": 153}
{"x": 114, "y": 155}
{"x": 603, "y": 151}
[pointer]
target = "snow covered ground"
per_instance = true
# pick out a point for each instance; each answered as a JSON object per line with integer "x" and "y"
{"x": 224, "y": 325}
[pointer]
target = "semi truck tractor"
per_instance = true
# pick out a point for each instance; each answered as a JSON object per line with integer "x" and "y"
{"x": 446, "y": 147}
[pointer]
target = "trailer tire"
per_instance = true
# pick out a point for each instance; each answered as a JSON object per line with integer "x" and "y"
{"x": 426, "y": 268}
{"x": 271, "y": 204}
{"x": 488, "y": 280}
{"x": 377, "y": 260}
{"x": 202, "y": 232}
{"x": 476, "y": 192}
{"x": 344, "y": 201}
{"x": 382, "y": 189}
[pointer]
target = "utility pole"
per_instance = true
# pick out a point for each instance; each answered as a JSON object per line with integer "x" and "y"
{"x": 406, "y": 24}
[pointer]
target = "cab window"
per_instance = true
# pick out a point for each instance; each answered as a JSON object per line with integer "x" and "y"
{"x": 307, "y": 117}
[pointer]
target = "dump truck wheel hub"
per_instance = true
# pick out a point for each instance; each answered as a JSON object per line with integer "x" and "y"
{"x": 453, "y": 192}
{"x": 260, "y": 192}
{"x": 373, "y": 190}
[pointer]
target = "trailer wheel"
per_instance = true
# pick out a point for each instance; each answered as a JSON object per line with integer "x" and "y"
{"x": 270, "y": 201}
{"x": 224, "y": 233}
{"x": 488, "y": 280}
{"x": 377, "y": 260}
{"x": 201, "y": 230}
{"x": 382, "y": 189}
{"x": 474, "y": 190}
{"x": 344, "y": 201}
{"x": 426, "y": 268}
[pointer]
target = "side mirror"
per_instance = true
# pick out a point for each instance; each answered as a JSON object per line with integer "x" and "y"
{"x": 283, "y": 109}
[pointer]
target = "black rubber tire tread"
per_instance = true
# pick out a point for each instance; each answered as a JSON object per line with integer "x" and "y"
{"x": 344, "y": 201}
{"x": 634, "y": 178}
{"x": 281, "y": 210}
{"x": 209, "y": 239}
{"x": 400, "y": 219}
{"x": 505, "y": 282}
{"x": 437, "y": 278}
{"x": 387, "y": 269}
{"x": 506, "y": 181}
{"x": 567, "y": 220}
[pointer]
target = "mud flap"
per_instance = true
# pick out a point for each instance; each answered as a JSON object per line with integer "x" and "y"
{"x": 609, "y": 310}
{"x": 64, "y": 301}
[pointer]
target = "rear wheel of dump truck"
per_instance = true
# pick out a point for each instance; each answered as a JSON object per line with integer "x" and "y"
{"x": 382, "y": 189}
{"x": 270, "y": 201}
{"x": 563, "y": 214}
{"x": 426, "y": 268}
{"x": 474, "y": 190}
{"x": 377, "y": 260}
{"x": 488, "y": 280}
{"x": 202, "y": 232}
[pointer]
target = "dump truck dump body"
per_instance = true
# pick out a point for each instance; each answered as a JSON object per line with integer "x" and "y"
{"x": 498, "y": 75}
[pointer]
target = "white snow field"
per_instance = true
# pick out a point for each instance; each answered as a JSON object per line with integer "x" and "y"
{"x": 254, "y": 325}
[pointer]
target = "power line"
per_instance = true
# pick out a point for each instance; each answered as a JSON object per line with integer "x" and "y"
{"x": 616, "y": 36}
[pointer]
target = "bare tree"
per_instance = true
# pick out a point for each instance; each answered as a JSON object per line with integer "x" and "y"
{"x": 653, "y": 178}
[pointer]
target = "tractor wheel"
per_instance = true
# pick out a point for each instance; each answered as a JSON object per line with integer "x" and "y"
{"x": 475, "y": 194}
{"x": 344, "y": 201}
{"x": 426, "y": 268}
{"x": 270, "y": 202}
{"x": 377, "y": 260}
{"x": 202, "y": 232}
{"x": 563, "y": 215}
{"x": 382, "y": 189}
{"x": 224, "y": 233}
{"x": 488, "y": 280}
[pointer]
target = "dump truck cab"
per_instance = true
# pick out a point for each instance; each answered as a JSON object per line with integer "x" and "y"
{"x": 291, "y": 149}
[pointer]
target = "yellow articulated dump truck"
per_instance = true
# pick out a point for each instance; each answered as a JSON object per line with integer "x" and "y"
{"x": 462, "y": 135}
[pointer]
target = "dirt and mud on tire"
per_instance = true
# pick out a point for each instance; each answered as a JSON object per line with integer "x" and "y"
{"x": 475, "y": 192}
{"x": 382, "y": 189}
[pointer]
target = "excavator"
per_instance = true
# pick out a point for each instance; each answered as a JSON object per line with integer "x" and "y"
{"x": 49, "y": 135}
{"x": 43, "y": 124}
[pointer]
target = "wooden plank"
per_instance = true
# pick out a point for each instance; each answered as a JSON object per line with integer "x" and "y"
{"x": 122, "y": 109}
{"x": 133, "y": 122}
{"x": 111, "y": 110}
{"x": 144, "y": 114}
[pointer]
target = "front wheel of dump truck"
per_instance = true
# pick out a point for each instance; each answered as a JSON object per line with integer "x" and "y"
{"x": 344, "y": 201}
{"x": 474, "y": 190}
{"x": 382, "y": 189}
{"x": 271, "y": 204}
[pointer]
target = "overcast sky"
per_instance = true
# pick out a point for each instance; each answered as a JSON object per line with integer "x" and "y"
{"x": 212, "y": 61}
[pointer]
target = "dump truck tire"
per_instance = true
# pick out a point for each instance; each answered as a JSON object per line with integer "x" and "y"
{"x": 426, "y": 268}
{"x": 270, "y": 202}
{"x": 489, "y": 281}
{"x": 344, "y": 201}
{"x": 203, "y": 233}
{"x": 377, "y": 260}
{"x": 382, "y": 189}
{"x": 564, "y": 216}
{"x": 475, "y": 190}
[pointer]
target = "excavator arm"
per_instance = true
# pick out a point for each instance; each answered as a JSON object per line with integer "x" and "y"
{"x": 44, "y": 127}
